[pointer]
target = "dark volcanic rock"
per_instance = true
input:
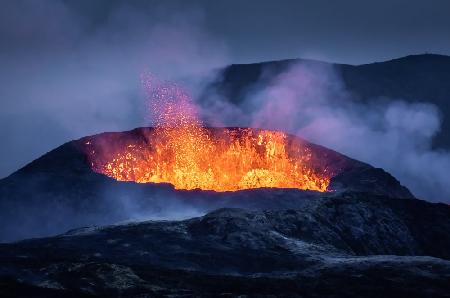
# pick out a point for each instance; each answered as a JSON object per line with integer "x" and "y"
{"x": 342, "y": 246}
{"x": 59, "y": 191}
{"x": 366, "y": 236}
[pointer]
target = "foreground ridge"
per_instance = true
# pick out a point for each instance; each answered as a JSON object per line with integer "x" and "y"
{"x": 349, "y": 245}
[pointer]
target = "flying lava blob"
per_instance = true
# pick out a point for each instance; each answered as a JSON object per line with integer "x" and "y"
{"x": 180, "y": 151}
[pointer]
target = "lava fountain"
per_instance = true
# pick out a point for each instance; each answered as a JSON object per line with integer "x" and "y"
{"x": 180, "y": 151}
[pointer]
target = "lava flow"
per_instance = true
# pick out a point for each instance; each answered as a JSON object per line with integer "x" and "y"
{"x": 180, "y": 151}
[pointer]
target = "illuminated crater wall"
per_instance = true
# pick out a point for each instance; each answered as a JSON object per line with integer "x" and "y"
{"x": 219, "y": 159}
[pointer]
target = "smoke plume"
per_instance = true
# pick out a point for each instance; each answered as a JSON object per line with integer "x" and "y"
{"x": 65, "y": 76}
{"x": 310, "y": 100}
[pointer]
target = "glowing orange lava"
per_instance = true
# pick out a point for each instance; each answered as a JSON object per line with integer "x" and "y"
{"x": 181, "y": 152}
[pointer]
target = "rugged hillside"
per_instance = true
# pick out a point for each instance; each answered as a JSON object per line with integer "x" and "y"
{"x": 412, "y": 78}
{"x": 343, "y": 246}
{"x": 365, "y": 236}
{"x": 60, "y": 191}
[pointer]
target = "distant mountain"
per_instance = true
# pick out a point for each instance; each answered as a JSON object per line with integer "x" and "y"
{"x": 414, "y": 78}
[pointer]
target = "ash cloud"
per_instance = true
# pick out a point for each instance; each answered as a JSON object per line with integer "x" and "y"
{"x": 310, "y": 100}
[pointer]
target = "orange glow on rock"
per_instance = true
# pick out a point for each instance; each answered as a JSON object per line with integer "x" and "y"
{"x": 211, "y": 159}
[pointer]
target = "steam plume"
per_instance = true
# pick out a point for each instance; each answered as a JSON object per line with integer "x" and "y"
{"x": 310, "y": 100}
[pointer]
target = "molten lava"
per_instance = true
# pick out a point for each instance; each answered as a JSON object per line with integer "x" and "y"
{"x": 181, "y": 152}
{"x": 219, "y": 159}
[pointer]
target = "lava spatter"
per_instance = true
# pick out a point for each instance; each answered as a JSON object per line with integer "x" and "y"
{"x": 180, "y": 151}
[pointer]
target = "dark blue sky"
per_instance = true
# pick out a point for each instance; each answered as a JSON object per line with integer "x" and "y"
{"x": 349, "y": 31}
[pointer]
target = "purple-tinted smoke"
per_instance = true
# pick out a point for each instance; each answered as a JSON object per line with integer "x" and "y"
{"x": 310, "y": 100}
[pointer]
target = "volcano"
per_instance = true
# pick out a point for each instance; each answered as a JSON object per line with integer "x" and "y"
{"x": 286, "y": 218}
{"x": 113, "y": 176}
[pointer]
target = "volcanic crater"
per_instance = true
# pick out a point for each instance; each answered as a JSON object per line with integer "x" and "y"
{"x": 227, "y": 159}
{"x": 95, "y": 180}
{"x": 219, "y": 159}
